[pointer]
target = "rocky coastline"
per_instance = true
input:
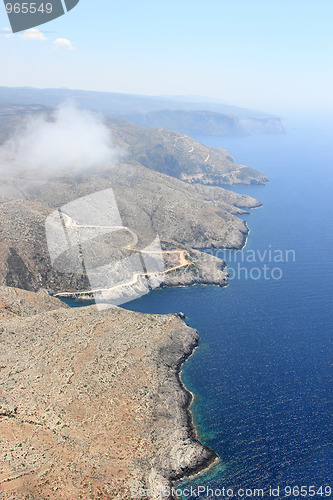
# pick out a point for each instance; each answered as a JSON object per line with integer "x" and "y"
{"x": 199, "y": 457}
{"x": 93, "y": 404}
{"x": 211, "y": 456}
{"x": 175, "y": 451}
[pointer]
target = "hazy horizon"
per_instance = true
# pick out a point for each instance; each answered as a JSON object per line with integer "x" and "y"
{"x": 263, "y": 56}
{"x": 289, "y": 117}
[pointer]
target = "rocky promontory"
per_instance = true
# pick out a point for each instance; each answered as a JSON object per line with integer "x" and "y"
{"x": 91, "y": 401}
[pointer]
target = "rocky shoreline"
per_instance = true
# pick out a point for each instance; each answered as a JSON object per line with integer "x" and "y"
{"x": 191, "y": 456}
{"x": 201, "y": 269}
{"x": 207, "y": 456}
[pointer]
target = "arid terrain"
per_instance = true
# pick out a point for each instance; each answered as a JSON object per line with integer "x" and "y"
{"x": 178, "y": 204}
{"x": 91, "y": 401}
{"x": 91, "y": 404}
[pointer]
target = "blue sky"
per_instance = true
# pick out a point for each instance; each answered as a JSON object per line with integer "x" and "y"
{"x": 274, "y": 55}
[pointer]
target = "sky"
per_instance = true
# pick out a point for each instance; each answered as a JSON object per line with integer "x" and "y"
{"x": 270, "y": 55}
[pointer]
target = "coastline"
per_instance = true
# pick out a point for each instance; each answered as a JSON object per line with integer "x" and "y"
{"x": 204, "y": 465}
{"x": 212, "y": 457}
{"x": 181, "y": 454}
{"x": 205, "y": 269}
{"x": 118, "y": 393}
{"x": 178, "y": 452}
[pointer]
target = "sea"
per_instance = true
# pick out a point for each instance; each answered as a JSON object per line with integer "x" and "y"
{"x": 262, "y": 374}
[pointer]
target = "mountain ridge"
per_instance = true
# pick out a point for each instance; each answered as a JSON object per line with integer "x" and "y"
{"x": 152, "y": 109}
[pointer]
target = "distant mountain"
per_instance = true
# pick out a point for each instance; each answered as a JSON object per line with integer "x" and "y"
{"x": 189, "y": 117}
{"x": 197, "y": 123}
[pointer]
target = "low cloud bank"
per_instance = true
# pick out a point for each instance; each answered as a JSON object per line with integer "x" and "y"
{"x": 70, "y": 139}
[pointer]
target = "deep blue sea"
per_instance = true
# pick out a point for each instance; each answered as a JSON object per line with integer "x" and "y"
{"x": 262, "y": 375}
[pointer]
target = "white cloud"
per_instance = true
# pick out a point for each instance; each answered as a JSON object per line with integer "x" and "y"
{"x": 7, "y": 32}
{"x": 32, "y": 34}
{"x": 63, "y": 43}
{"x": 70, "y": 139}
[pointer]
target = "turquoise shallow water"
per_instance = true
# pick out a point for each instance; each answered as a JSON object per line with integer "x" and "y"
{"x": 262, "y": 374}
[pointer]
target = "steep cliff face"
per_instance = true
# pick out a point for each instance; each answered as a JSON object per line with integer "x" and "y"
{"x": 91, "y": 401}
